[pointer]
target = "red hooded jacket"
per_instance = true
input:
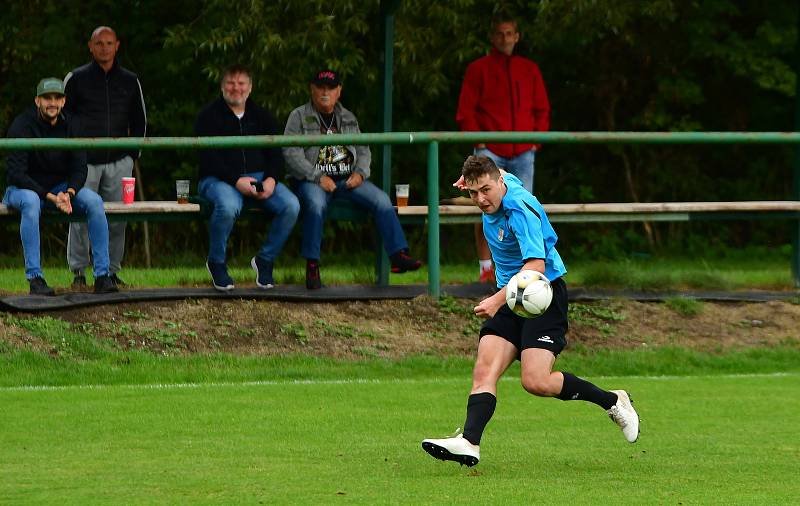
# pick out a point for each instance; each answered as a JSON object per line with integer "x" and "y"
{"x": 503, "y": 93}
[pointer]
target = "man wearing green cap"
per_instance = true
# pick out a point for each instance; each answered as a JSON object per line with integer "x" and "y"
{"x": 53, "y": 179}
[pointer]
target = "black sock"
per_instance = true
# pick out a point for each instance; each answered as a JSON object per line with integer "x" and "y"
{"x": 577, "y": 389}
{"x": 480, "y": 408}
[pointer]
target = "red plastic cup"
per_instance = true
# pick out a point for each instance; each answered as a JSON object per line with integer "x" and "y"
{"x": 128, "y": 187}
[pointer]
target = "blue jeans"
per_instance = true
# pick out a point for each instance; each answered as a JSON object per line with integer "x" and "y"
{"x": 228, "y": 203}
{"x": 315, "y": 202}
{"x": 85, "y": 203}
{"x": 104, "y": 179}
{"x": 521, "y": 165}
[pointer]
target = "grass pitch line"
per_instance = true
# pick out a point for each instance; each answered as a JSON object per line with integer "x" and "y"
{"x": 356, "y": 381}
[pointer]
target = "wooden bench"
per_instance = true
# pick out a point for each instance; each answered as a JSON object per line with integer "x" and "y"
{"x": 160, "y": 210}
{"x": 117, "y": 211}
{"x": 463, "y": 211}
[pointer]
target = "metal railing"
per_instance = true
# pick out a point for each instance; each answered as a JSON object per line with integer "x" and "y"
{"x": 433, "y": 139}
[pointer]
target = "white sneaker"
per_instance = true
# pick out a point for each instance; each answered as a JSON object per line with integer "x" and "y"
{"x": 454, "y": 448}
{"x": 623, "y": 414}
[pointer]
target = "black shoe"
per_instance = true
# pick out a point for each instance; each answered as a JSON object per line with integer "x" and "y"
{"x": 402, "y": 262}
{"x": 79, "y": 281}
{"x": 118, "y": 281}
{"x": 105, "y": 284}
{"x": 39, "y": 287}
{"x": 263, "y": 272}
{"x": 313, "y": 281}
{"x": 219, "y": 276}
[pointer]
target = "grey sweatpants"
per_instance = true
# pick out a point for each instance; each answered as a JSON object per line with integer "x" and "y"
{"x": 106, "y": 180}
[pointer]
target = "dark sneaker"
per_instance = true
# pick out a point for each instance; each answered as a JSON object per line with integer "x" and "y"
{"x": 105, "y": 284}
{"x": 401, "y": 262}
{"x": 219, "y": 276}
{"x": 117, "y": 280}
{"x": 39, "y": 287}
{"x": 263, "y": 272}
{"x": 313, "y": 281}
{"x": 79, "y": 281}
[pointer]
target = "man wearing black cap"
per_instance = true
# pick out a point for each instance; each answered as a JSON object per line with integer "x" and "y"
{"x": 53, "y": 179}
{"x": 321, "y": 173}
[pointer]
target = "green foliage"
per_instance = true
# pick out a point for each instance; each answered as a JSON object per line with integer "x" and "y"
{"x": 599, "y": 316}
{"x": 684, "y": 306}
{"x": 472, "y": 323}
{"x": 608, "y": 65}
{"x": 66, "y": 341}
{"x": 297, "y": 331}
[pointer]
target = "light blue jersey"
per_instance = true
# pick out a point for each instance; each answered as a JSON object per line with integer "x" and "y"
{"x": 519, "y": 231}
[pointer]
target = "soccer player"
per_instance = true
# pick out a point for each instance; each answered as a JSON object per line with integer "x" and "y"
{"x": 520, "y": 238}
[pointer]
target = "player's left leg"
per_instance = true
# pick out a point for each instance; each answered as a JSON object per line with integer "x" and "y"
{"x": 539, "y": 379}
{"x": 542, "y": 339}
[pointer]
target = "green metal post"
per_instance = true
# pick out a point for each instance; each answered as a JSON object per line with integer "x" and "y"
{"x": 434, "y": 277}
{"x": 795, "y": 224}
{"x": 387, "y": 9}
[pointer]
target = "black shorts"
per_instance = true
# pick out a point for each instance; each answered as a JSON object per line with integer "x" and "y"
{"x": 548, "y": 331}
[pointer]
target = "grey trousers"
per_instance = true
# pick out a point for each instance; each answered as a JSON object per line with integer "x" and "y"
{"x": 106, "y": 180}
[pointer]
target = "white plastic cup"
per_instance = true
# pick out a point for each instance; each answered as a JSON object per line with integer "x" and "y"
{"x": 182, "y": 191}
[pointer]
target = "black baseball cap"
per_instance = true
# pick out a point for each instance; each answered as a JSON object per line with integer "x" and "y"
{"x": 326, "y": 76}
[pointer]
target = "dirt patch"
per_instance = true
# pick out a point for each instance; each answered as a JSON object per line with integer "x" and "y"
{"x": 394, "y": 329}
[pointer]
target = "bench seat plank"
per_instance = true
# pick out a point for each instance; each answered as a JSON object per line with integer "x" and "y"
{"x": 625, "y": 208}
{"x": 147, "y": 207}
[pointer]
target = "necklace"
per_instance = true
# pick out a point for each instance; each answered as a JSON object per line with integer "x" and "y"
{"x": 328, "y": 127}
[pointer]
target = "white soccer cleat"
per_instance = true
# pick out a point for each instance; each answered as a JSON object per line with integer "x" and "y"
{"x": 454, "y": 448}
{"x": 623, "y": 414}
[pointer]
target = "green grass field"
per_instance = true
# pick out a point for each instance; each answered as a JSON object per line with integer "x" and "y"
{"x": 338, "y": 439}
{"x": 771, "y": 273}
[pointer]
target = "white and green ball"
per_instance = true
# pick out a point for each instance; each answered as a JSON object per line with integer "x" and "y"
{"x": 529, "y": 293}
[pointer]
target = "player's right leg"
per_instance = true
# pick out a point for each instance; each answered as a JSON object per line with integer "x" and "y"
{"x": 495, "y": 355}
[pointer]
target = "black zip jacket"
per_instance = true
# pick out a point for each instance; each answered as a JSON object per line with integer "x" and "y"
{"x": 216, "y": 119}
{"x": 109, "y": 105}
{"x": 41, "y": 170}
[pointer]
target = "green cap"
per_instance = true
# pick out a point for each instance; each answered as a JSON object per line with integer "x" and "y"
{"x": 50, "y": 85}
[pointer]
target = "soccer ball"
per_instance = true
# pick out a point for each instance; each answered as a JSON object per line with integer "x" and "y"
{"x": 529, "y": 293}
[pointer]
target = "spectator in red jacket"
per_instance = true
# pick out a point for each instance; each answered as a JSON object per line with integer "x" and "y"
{"x": 503, "y": 92}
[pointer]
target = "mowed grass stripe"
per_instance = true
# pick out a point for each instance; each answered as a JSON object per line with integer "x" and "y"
{"x": 355, "y": 381}
{"x": 705, "y": 440}
{"x": 104, "y": 367}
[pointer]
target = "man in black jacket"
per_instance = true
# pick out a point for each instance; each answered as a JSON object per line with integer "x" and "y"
{"x": 52, "y": 179}
{"x": 231, "y": 178}
{"x": 109, "y": 101}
